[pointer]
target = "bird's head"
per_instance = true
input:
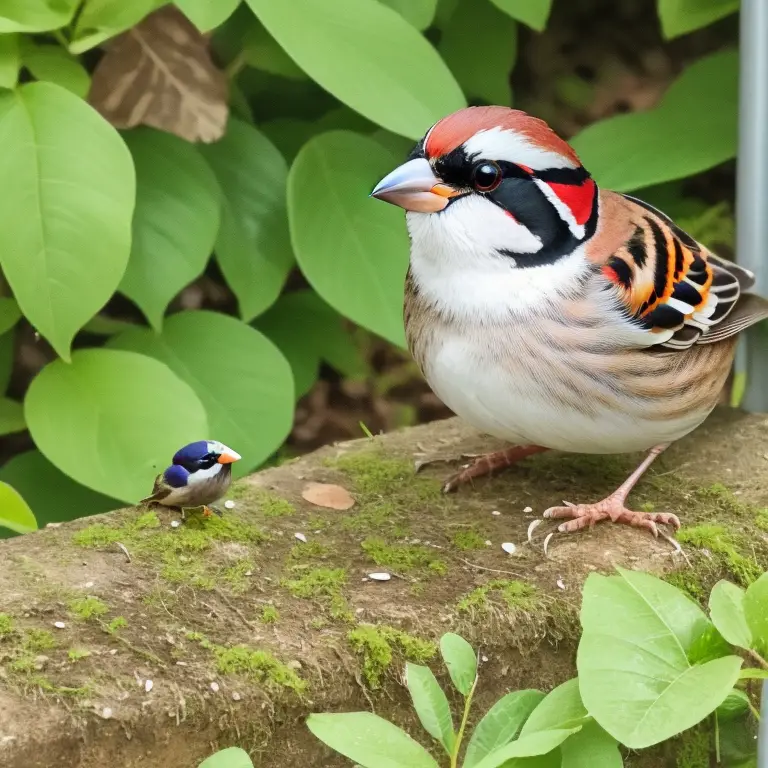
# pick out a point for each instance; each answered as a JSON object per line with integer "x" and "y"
{"x": 494, "y": 184}
{"x": 199, "y": 461}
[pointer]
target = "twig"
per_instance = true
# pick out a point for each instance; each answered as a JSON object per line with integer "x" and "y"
{"x": 234, "y": 608}
{"x": 493, "y": 570}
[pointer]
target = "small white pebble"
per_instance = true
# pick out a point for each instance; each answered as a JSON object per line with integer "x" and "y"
{"x": 488, "y": 542}
{"x": 380, "y": 576}
{"x": 484, "y": 658}
{"x": 509, "y": 547}
{"x": 229, "y": 504}
{"x": 236, "y": 696}
{"x": 106, "y": 713}
{"x": 495, "y": 513}
{"x": 528, "y": 509}
{"x": 148, "y": 685}
{"x": 59, "y": 624}
{"x": 249, "y": 573}
{"x": 215, "y": 687}
{"x": 88, "y": 584}
{"x": 532, "y": 527}
{"x": 300, "y": 537}
{"x": 113, "y": 652}
{"x": 560, "y": 584}
{"x": 182, "y": 664}
{"x": 175, "y": 523}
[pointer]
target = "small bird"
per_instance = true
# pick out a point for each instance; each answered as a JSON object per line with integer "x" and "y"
{"x": 554, "y": 314}
{"x": 200, "y": 474}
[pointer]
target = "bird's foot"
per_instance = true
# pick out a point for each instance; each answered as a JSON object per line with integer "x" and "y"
{"x": 611, "y": 508}
{"x": 215, "y": 510}
{"x": 487, "y": 463}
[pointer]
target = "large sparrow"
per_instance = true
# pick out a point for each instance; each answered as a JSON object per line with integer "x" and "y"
{"x": 553, "y": 314}
{"x": 200, "y": 474}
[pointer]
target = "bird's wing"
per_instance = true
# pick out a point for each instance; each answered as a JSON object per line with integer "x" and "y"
{"x": 160, "y": 491}
{"x": 674, "y": 288}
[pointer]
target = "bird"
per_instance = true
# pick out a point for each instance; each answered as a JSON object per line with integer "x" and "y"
{"x": 554, "y": 314}
{"x": 199, "y": 475}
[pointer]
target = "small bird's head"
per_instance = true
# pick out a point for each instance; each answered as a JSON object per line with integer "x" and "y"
{"x": 494, "y": 183}
{"x": 199, "y": 461}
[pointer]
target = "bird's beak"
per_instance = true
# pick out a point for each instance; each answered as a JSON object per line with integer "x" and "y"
{"x": 414, "y": 186}
{"x": 229, "y": 457}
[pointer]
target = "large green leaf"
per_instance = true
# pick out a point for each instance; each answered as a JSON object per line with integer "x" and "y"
{"x": 262, "y": 51}
{"x": 9, "y": 314}
{"x": 9, "y": 60}
{"x": 591, "y": 747}
{"x": 681, "y": 16}
{"x": 101, "y": 19}
{"x": 635, "y": 678}
{"x": 352, "y": 250}
{"x": 487, "y": 76}
{"x": 253, "y": 246}
{"x": 461, "y": 661}
{"x": 561, "y": 708}
{"x": 431, "y": 704}
{"x": 756, "y": 612}
{"x": 207, "y": 14}
{"x": 534, "y": 13}
{"x": 726, "y": 606}
{"x": 35, "y": 15}
{"x": 240, "y": 377}
{"x": 420, "y": 13}
{"x": 53, "y": 496}
{"x": 175, "y": 222}
{"x": 369, "y": 57}
{"x": 369, "y": 740}
{"x": 11, "y": 416}
{"x": 695, "y": 124}
{"x": 501, "y": 724}
{"x": 65, "y": 232}
{"x": 539, "y": 743}
{"x": 307, "y": 330}
{"x": 233, "y": 757}
{"x": 14, "y": 512}
{"x": 54, "y": 64}
{"x": 112, "y": 420}
{"x": 7, "y": 350}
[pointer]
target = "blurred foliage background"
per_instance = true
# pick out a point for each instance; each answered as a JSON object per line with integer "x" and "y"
{"x": 187, "y": 245}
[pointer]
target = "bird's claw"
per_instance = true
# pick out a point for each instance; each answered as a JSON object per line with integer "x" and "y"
{"x": 586, "y": 515}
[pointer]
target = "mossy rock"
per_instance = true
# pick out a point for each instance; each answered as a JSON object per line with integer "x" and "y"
{"x": 243, "y": 628}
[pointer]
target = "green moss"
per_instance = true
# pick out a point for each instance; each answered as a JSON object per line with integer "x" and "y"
{"x": 377, "y": 646}
{"x": 692, "y": 749}
{"x": 312, "y": 549}
{"x": 374, "y": 473}
{"x": 324, "y": 584}
{"x": 76, "y": 654}
{"x": 690, "y": 582}
{"x": 468, "y": 540}
{"x": 722, "y": 544}
{"x": 269, "y": 614}
{"x": 403, "y": 557}
{"x": 260, "y": 666}
{"x": 516, "y": 595}
{"x": 761, "y": 520}
{"x": 96, "y": 536}
{"x": 272, "y": 505}
{"x": 114, "y": 626}
{"x": 23, "y": 664}
{"x": 38, "y": 640}
{"x": 85, "y": 608}
{"x": 236, "y": 575}
{"x": 6, "y": 625}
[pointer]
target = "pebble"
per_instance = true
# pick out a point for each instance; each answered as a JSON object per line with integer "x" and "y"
{"x": 528, "y": 510}
{"x": 88, "y": 584}
{"x": 509, "y": 547}
{"x": 484, "y": 659}
{"x": 495, "y": 513}
{"x": 106, "y": 713}
{"x": 215, "y": 687}
{"x": 236, "y": 696}
{"x": 560, "y": 584}
{"x": 175, "y": 523}
{"x": 113, "y": 652}
{"x": 59, "y": 624}
{"x": 300, "y": 537}
{"x": 380, "y": 576}
{"x": 229, "y": 504}
{"x": 488, "y": 542}
{"x": 148, "y": 685}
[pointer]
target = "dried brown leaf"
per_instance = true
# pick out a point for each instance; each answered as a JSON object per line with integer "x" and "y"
{"x": 160, "y": 73}
{"x": 327, "y": 495}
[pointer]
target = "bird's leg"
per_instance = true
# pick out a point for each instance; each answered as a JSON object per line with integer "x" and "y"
{"x": 215, "y": 510}
{"x": 612, "y": 508}
{"x": 489, "y": 462}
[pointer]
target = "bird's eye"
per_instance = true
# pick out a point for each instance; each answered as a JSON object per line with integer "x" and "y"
{"x": 486, "y": 177}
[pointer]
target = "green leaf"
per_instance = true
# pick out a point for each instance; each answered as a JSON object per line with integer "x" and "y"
{"x": 52, "y": 496}
{"x": 487, "y": 76}
{"x": 431, "y": 704}
{"x": 262, "y": 51}
{"x": 349, "y": 42}
{"x": 726, "y": 606}
{"x": 753, "y": 674}
{"x": 735, "y": 705}
{"x": 175, "y": 222}
{"x": 534, "y": 13}
{"x": 369, "y": 740}
{"x": 9, "y": 314}
{"x": 353, "y": 251}
{"x": 35, "y": 15}
{"x": 539, "y": 743}
{"x": 681, "y": 16}
{"x": 112, "y": 420}
{"x": 7, "y": 350}
{"x": 501, "y": 724}
{"x": 207, "y": 14}
{"x": 695, "y": 122}
{"x": 461, "y": 661}
{"x": 14, "y": 512}
{"x": 11, "y": 416}
{"x": 591, "y": 747}
{"x": 420, "y": 13}
{"x": 232, "y": 757}
{"x": 53, "y": 64}
{"x": 101, "y": 19}
{"x": 103, "y": 325}
{"x": 65, "y": 233}
{"x": 561, "y": 708}
{"x": 635, "y": 678}
{"x": 241, "y": 378}
{"x": 756, "y": 613}
{"x": 253, "y": 246}
{"x": 9, "y": 61}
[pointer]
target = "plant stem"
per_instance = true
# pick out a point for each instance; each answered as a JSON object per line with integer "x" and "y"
{"x": 758, "y": 658}
{"x": 717, "y": 740}
{"x": 59, "y": 35}
{"x": 234, "y": 67}
{"x": 464, "y": 718}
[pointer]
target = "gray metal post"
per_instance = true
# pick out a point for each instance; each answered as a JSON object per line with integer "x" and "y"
{"x": 752, "y": 184}
{"x": 762, "y": 734}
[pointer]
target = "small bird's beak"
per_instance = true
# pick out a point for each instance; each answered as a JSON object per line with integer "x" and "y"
{"x": 229, "y": 457}
{"x": 414, "y": 186}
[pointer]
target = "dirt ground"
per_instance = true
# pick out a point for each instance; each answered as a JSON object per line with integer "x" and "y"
{"x": 243, "y": 629}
